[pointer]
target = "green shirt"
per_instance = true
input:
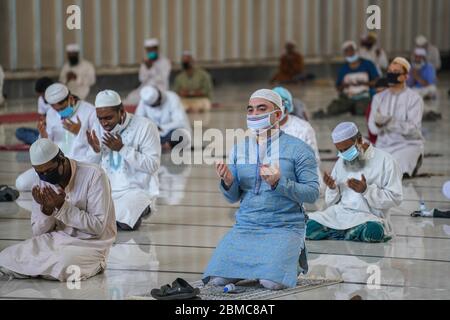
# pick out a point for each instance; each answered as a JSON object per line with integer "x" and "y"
{"x": 200, "y": 80}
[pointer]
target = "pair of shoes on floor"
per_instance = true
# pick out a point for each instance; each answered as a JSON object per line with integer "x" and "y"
{"x": 180, "y": 290}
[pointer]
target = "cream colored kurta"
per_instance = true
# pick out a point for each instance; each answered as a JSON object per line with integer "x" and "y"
{"x": 347, "y": 208}
{"x": 85, "y": 78}
{"x": 79, "y": 234}
{"x": 402, "y": 135}
{"x": 133, "y": 171}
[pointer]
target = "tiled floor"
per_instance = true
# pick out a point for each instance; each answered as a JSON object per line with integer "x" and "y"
{"x": 192, "y": 216}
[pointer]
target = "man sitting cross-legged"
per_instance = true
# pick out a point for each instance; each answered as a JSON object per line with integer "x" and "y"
{"x": 364, "y": 184}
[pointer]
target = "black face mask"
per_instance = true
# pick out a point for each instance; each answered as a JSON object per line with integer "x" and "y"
{"x": 74, "y": 60}
{"x": 392, "y": 77}
{"x": 53, "y": 177}
{"x": 186, "y": 65}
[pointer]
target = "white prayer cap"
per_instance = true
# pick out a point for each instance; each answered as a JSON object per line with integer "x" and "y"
{"x": 153, "y": 42}
{"x": 107, "y": 99}
{"x": 403, "y": 62}
{"x": 42, "y": 151}
{"x": 56, "y": 93}
{"x": 344, "y": 131}
{"x": 349, "y": 43}
{"x": 421, "y": 40}
{"x": 187, "y": 53}
{"x": 73, "y": 47}
{"x": 421, "y": 52}
{"x": 149, "y": 95}
{"x": 269, "y": 95}
{"x": 446, "y": 189}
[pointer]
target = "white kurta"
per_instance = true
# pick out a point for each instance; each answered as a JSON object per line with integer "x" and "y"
{"x": 133, "y": 171}
{"x": 74, "y": 147}
{"x": 85, "y": 78}
{"x": 402, "y": 135}
{"x": 158, "y": 76}
{"x": 347, "y": 209}
{"x": 79, "y": 234}
{"x": 380, "y": 61}
{"x": 303, "y": 130}
{"x": 42, "y": 106}
{"x": 170, "y": 115}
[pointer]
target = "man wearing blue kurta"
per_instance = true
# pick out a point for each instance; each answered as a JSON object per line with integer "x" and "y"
{"x": 272, "y": 174}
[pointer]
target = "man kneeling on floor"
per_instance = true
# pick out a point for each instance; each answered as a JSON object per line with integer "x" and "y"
{"x": 364, "y": 184}
{"x": 268, "y": 240}
{"x": 130, "y": 153}
{"x": 72, "y": 220}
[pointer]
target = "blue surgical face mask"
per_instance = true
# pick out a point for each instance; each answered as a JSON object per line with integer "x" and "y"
{"x": 352, "y": 59}
{"x": 350, "y": 154}
{"x": 66, "y": 113}
{"x": 260, "y": 123}
{"x": 152, "y": 55}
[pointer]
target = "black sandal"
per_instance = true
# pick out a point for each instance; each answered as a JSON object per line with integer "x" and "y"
{"x": 180, "y": 290}
{"x": 8, "y": 194}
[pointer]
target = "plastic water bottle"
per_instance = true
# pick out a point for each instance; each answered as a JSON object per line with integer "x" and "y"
{"x": 423, "y": 210}
{"x": 229, "y": 288}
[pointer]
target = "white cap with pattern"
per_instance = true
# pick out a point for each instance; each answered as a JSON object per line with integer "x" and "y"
{"x": 107, "y": 99}
{"x": 344, "y": 131}
{"x": 269, "y": 95}
{"x": 43, "y": 151}
{"x": 56, "y": 93}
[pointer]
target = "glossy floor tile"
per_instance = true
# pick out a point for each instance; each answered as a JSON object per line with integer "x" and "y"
{"x": 192, "y": 216}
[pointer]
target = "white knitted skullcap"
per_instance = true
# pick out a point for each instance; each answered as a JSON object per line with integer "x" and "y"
{"x": 344, "y": 131}
{"x": 153, "y": 42}
{"x": 349, "y": 43}
{"x": 73, "y": 47}
{"x": 268, "y": 95}
{"x": 107, "y": 99}
{"x": 56, "y": 93}
{"x": 42, "y": 151}
{"x": 149, "y": 95}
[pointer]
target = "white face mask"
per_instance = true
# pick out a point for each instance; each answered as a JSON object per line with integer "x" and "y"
{"x": 352, "y": 59}
{"x": 119, "y": 126}
{"x": 260, "y": 123}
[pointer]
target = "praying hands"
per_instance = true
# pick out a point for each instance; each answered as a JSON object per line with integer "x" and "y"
{"x": 270, "y": 174}
{"x": 359, "y": 186}
{"x": 113, "y": 141}
{"x": 48, "y": 199}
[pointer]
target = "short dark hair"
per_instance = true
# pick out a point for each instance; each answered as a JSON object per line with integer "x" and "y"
{"x": 42, "y": 84}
